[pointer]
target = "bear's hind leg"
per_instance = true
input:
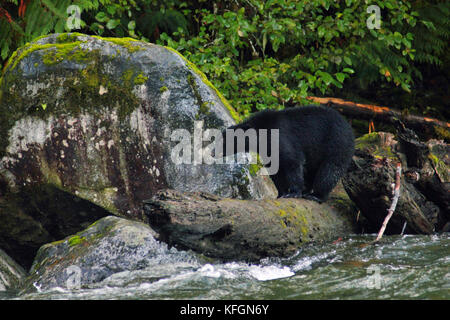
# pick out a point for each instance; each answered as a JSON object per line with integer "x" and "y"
{"x": 326, "y": 178}
{"x": 295, "y": 183}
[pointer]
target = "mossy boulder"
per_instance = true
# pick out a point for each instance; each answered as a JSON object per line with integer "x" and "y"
{"x": 87, "y": 114}
{"x": 85, "y": 117}
{"x": 110, "y": 245}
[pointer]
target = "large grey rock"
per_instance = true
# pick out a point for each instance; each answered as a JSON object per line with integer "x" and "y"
{"x": 11, "y": 274}
{"x": 110, "y": 245}
{"x": 94, "y": 117}
{"x": 85, "y": 129}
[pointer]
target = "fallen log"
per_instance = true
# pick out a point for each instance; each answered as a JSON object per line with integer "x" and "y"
{"x": 382, "y": 114}
{"x": 232, "y": 229}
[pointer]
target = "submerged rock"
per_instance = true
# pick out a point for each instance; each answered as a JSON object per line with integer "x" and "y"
{"x": 108, "y": 246}
{"x": 11, "y": 274}
{"x": 233, "y": 229}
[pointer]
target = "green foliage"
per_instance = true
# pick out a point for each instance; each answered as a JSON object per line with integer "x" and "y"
{"x": 270, "y": 54}
{"x": 267, "y": 54}
{"x": 433, "y": 33}
{"x": 118, "y": 18}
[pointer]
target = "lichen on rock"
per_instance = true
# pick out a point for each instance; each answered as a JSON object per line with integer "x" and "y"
{"x": 93, "y": 117}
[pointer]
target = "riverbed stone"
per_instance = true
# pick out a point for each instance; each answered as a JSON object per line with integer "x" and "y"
{"x": 108, "y": 246}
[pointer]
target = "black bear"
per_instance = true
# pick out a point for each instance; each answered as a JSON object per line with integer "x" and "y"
{"x": 316, "y": 145}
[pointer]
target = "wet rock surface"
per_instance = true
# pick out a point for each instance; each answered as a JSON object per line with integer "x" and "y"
{"x": 109, "y": 246}
{"x": 233, "y": 229}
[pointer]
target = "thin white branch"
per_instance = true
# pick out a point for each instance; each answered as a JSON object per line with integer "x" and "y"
{"x": 394, "y": 201}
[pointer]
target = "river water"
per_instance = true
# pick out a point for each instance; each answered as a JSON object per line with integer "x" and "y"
{"x": 399, "y": 267}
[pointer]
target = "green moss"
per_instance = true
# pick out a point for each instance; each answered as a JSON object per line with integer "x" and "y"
{"x": 293, "y": 216}
{"x": 10, "y": 60}
{"x": 80, "y": 88}
{"x": 66, "y": 51}
{"x": 191, "y": 66}
{"x": 162, "y": 89}
{"x": 132, "y": 77}
{"x": 442, "y": 133}
{"x": 372, "y": 143}
{"x": 127, "y": 75}
{"x": 255, "y": 167}
{"x": 124, "y": 42}
{"x": 55, "y": 243}
{"x": 24, "y": 52}
{"x": 58, "y": 53}
{"x": 441, "y": 168}
{"x": 101, "y": 196}
{"x": 367, "y": 140}
{"x": 204, "y": 108}
{"x": 50, "y": 175}
{"x": 140, "y": 79}
{"x": 282, "y": 213}
{"x": 67, "y": 37}
{"x": 433, "y": 158}
{"x": 76, "y": 240}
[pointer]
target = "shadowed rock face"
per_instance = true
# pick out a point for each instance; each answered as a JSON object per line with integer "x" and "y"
{"x": 92, "y": 117}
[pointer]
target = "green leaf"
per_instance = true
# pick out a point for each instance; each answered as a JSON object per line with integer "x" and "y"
{"x": 132, "y": 25}
{"x": 111, "y": 9}
{"x": 406, "y": 87}
{"x": 321, "y": 31}
{"x": 101, "y": 17}
{"x": 348, "y": 70}
{"x": 326, "y": 77}
{"x": 340, "y": 76}
{"x": 112, "y": 23}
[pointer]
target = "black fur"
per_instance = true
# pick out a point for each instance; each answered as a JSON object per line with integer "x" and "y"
{"x": 316, "y": 147}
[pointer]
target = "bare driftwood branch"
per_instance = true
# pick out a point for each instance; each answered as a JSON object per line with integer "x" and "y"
{"x": 377, "y": 113}
{"x": 394, "y": 201}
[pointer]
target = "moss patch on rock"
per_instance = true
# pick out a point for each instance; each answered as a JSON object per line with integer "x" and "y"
{"x": 375, "y": 144}
{"x": 79, "y": 87}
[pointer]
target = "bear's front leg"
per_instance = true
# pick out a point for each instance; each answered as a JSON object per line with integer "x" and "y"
{"x": 294, "y": 183}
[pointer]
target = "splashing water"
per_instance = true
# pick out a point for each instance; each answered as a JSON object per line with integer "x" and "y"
{"x": 399, "y": 267}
